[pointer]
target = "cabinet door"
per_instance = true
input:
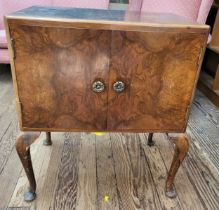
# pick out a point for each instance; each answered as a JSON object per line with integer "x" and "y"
{"x": 159, "y": 70}
{"x": 55, "y": 69}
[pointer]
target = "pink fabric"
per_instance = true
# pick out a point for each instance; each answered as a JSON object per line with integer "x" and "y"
{"x": 1, "y": 14}
{"x": 135, "y": 5}
{"x": 204, "y": 10}
{"x": 95, "y": 4}
{"x": 196, "y": 10}
{"x": 8, "y": 6}
{"x": 3, "y": 40}
{"x": 185, "y": 8}
{"x": 4, "y": 56}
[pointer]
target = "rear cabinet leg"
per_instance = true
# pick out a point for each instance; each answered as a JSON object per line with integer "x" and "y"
{"x": 48, "y": 140}
{"x": 181, "y": 149}
{"x": 150, "y": 140}
{"x": 23, "y": 142}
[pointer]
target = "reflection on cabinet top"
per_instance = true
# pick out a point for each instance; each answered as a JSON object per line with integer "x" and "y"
{"x": 105, "y": 19}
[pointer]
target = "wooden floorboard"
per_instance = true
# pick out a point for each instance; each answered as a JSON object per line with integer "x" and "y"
{"x": 203, "y": 128}
{"x": 119, "y": 171}
{"x": 107, "y": 194}
{"x": 142, "y": 178}
{"x": 67, "y": 181}
{"x": 87, "y": 180}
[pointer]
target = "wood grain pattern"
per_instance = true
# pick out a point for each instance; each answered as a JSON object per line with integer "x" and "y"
{"x": 107, "y": 195}
{"x": 45, "y": 200}
{"x": 8, "y": 183}
{"x": 7, "y": 139}
{"x": 126, "y": 190}
{"x": 200, "y": 177}
{"x": 63, "y": 69}
{"x": 57, "y": 67}
{"x": 159, "y": 78}
{"x": 54, "y": 87}
{"x": 87, "y": 182}
{"x": 66, "y": 188}
{"x": 142, "y": 180}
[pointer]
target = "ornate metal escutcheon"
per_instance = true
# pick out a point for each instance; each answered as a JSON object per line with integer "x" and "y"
{"x": 119, "y": 86}
{"x": 98, "y": 87}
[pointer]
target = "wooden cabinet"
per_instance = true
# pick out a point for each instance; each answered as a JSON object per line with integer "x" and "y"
{"x": 102, "y": 70}
{"x": 56, "y": 69}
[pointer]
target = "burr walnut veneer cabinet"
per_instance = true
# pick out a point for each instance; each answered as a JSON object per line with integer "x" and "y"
{"x": 101, "y": 70}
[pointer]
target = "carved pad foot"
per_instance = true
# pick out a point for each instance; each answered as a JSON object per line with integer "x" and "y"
{"x": 181, "y": 148}
{"x": 29, "y": 196}
{"x": 171, "y": 193}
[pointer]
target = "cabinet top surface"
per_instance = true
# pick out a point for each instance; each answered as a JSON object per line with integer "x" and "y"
{"x": 112, "y": 17}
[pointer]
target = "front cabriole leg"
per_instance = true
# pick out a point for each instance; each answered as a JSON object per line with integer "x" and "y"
{"x": 181, "y": 149}
{"x": 23, "y": 142}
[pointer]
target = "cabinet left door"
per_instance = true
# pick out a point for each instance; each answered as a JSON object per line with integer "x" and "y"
{"x": 55, "y": 69}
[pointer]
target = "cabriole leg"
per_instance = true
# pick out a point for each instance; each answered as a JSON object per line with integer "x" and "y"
{"x": 150, "y": 140}
{"x": 23, "y": 142}
{"x": 48, "y": 140}
{"x": 181, "y": 148}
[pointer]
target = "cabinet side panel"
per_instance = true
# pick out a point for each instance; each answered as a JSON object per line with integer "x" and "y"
{"x": 159, "y": 71}
{"x": 55, "y": 69}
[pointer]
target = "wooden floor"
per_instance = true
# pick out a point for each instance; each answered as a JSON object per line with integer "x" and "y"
{"x": 116, "y": 171}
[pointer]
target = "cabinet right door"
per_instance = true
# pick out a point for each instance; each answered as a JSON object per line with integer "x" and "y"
{"x": 159, "y": 70}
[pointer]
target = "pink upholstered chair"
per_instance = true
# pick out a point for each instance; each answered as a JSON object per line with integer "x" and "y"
{"x": 196, "y": 10}
{"x": 8, "y": 6}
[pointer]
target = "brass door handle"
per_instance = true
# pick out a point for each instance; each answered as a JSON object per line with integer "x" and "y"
{"x": 118, "y": 86}
{"x": 98, "y": 87}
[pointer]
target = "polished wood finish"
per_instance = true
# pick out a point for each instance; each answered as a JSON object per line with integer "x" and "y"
{"x": 63, "y": 66}
{"x": 67, "y": 61}
{"x": 23, "y": 142}
{"x": 96, "y": 70}
{"x": 159, "y": 77}
{"x": 181, "y": 148}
